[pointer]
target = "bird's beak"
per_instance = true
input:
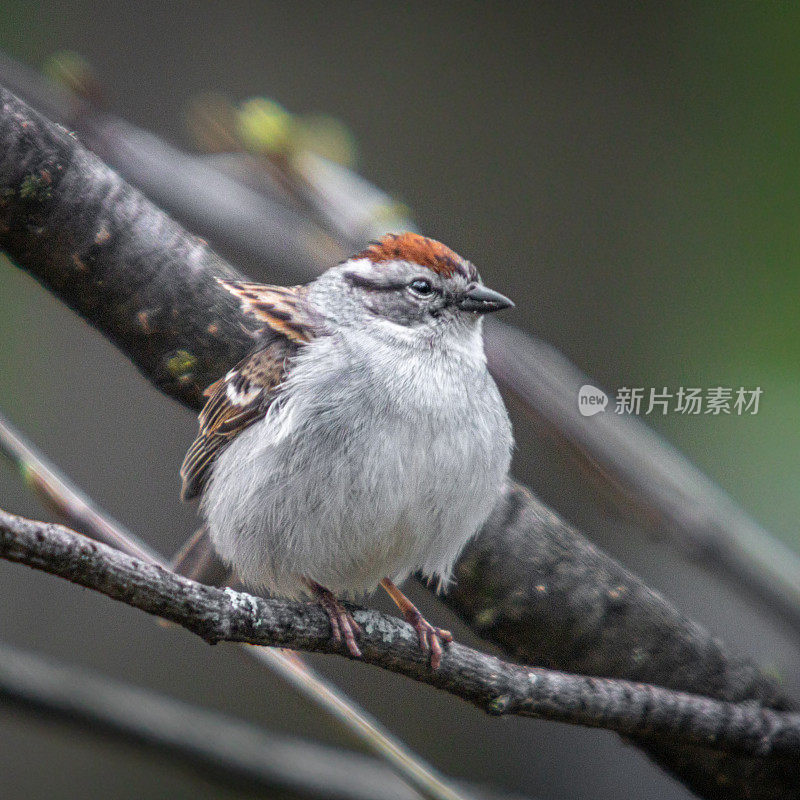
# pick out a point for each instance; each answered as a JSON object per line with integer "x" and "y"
{"x": 481, "y": 300}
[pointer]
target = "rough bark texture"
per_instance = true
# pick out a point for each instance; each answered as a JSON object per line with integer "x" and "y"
{"x": 533, "y": 585}
{"x": 119, "y": 257}
{"x": 492, "y": 685}
{"x": 149, "y": 287}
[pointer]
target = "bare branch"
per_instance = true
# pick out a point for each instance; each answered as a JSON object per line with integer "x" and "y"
{"x": 66, "y": 500}
{"x": 580, "y": 622}
{"x": 72, "y": 505}
{"x": 492, "y": 685}
{"x": 224, "y": 748}
{"x": 644, "y": 476}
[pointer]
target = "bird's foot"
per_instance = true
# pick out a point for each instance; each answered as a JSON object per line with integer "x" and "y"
{"x": 431, "y": 638}
{"x": 343, "y": 625}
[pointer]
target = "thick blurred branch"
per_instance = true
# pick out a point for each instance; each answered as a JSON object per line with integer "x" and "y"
{"x": 492, "y": 685}
{"x": 634, "y": 468}
{"x": 226, "y": 749}
{"x": 150, "y": 287}
{"x": 645, "y": 477}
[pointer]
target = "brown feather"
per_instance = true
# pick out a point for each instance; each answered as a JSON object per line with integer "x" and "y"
{"x": 238, "y": 400}
{"x": 282, "y": 308}
{"x": 419, "y": 250}
{"x": 243, "y": 396}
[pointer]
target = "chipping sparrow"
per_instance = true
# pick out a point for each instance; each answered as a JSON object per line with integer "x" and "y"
{"x": 363, "y": 438}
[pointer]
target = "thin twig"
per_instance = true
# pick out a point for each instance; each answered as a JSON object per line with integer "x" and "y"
{"x": 72, "y": 505}
{"x": 492, "y": 685}
{"x": 224, "y": 748}
{"x": 64, "y": 498}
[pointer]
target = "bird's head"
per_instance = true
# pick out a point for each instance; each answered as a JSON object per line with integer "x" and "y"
{"x": 410, "y": 282}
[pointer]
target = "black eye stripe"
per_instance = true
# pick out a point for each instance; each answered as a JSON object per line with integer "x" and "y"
{"x": 367, "y": 283}
{"x": 388, "y": 286}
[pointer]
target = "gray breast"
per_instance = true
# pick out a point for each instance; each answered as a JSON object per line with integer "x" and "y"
{"x": 372, "y": 466}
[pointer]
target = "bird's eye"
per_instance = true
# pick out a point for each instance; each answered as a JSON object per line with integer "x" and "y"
{"x": 421, "y": 287}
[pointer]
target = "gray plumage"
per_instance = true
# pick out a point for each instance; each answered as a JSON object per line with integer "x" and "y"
{"x": 382, "y": 450}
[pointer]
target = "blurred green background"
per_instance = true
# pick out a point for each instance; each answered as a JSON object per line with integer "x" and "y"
{"x": 629, "y": 175}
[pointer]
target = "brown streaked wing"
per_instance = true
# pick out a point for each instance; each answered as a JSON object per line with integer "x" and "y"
{"x": 243, "y": 396}
{"x": 236, "y": 401}
{"x": 282, "y": 308}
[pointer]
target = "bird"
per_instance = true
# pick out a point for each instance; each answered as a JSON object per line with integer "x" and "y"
{"x": 362, "y": 439}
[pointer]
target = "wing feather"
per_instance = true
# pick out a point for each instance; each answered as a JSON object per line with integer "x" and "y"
{"x": 282, "y": 308}
{"x": 243, "y": 396}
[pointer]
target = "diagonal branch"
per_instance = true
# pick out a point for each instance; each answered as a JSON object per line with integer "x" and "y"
{"x": 637, "y": 470}
{"x": 646, "y": 477}
{"x": 79, "y": 511}
{"x": 149, "y": 286}
{"x": 492, "y": 685}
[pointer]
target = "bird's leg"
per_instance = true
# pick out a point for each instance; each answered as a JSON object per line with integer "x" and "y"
{"x": 343, "y": 626}
{"x": 430, "y": 638}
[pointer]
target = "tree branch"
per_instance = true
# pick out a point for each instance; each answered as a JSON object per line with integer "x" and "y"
{"x": 149, "y": 271}
{"x": 224, "y": 748}
{"x": 492, "y": 685}
{"x": 79, "y": 511}
{"x": 645, "y": 477}
{"x": 639, "y": 472}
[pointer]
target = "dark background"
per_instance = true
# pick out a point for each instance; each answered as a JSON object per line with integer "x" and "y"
{"x": 628, "y": 175}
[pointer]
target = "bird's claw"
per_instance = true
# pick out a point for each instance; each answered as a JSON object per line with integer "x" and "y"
{"x": 343, "y": 625}
{"x": 431, "y": 638}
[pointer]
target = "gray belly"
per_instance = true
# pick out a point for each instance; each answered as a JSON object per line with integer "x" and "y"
{"x": 347, "y": 496}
